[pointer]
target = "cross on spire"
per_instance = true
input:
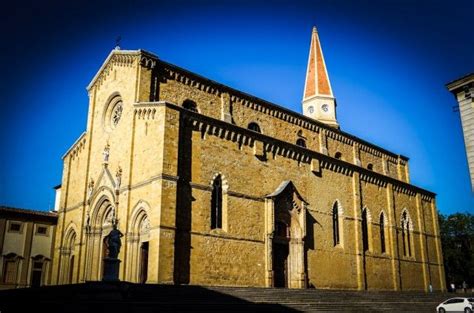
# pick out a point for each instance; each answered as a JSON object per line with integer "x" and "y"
{"x": 117, "y": 42}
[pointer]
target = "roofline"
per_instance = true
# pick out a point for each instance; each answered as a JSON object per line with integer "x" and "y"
{"x": 457, "y": 83}
{"x": 28, "y": 212}
{"x": 57, "y": 187}
{"x": 288, "y": 111}
{"x": 74, "y": 144}
{"x": 313, "y": 153}
{"x": 254, "y": 98}
{"x": 113, "y": 52}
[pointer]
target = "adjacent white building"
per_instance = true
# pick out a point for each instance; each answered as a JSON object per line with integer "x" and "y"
{"x": 463, "y": 90}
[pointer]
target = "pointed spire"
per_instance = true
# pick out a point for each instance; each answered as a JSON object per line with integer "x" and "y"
{"x": 318, "y": 100}
{"x": 317, "y": 79}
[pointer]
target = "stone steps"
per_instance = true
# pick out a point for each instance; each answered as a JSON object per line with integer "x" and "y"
{"x": 125, "y": 297}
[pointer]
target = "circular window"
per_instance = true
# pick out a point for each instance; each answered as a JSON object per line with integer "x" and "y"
{"x": 116, "y": 114}
{"x": 113, "y": 112}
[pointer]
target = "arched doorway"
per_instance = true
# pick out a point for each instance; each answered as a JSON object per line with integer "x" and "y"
{"x": 67, "y": 256}
{"x": 138, "y": 243}
{"x": 286, "y": 229}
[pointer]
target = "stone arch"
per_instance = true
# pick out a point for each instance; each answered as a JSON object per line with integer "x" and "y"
{"x": 337, "y": 213}
{"x": 190, "y": 105}
{"x": 114, "y": 100}
{"x": 254, "y": 126}
{"x": 68, "y": 254}
{"x": 408, "y": 221}
{"x": 99, "y": 195}
{"x": 406, "y": 224}
{"x": 99, "y": 225}
{"x": 383, "y": 227}
{"x": 366, "y": 223}
{"x": 101, "y": 211}
{"x": 224, "y": 204}
{"x": 225, "y": 183}
{"x": 285, "y": 259}
{"x": 138, "y": 239}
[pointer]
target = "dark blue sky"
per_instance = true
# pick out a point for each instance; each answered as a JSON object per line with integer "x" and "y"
{"x": 388, "y": 62}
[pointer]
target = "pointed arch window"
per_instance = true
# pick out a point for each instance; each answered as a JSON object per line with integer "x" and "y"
{"x": 216, "y": 203}
{"x": 406, "y": 236}
{"x": 365, "y": 231}
{"x": 382, "y": 234}
{"x": 335, "y": 224}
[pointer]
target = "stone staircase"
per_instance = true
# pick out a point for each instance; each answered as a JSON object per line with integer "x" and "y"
{"x": 126, "y": 297}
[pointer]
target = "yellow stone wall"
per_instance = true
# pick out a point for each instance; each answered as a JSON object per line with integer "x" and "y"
{"x": 169, "y": 157}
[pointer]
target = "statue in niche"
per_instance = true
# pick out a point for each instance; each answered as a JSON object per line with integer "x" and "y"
{"x": 106, "y": 153}
{"x": 90, "y": 189}
{"x": 118, "y": 175}
{"x": 113, "y": 242}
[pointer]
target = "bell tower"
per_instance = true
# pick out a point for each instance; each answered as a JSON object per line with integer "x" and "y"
{"x": 318, "y": 100}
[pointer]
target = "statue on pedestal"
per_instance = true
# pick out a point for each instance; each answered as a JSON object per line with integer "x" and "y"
{"x": 113, "y": 242}
{"x": 111, "y": 262}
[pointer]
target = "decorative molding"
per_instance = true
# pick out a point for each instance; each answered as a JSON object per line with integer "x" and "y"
{"x": 116, "y": 57}
{"x": 199, "y": 82}
{"x": 337, "y": 167}
{"x": 76, "y": 147}
{"x": 376, "y": 180}
{"x": 244, "y": 137}
{"x": 145, "y": 114}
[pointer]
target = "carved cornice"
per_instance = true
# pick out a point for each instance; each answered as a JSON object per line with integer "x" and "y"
{"x": 376, "y": 180}
{"x": 244, "y": 137}
{"x": 402, "y": 189}
{"x": 186, "y": 77}
{"x": 115, "y": 58}
{"x": 337, "y": 167}
{"x": 77, "y": 146}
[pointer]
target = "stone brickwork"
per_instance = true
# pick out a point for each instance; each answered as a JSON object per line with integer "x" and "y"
{"x": 155, "y": 171}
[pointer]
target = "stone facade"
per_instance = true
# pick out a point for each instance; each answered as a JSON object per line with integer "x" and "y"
{"x": 26, "y": 247}
{"x": 204, "y": 200}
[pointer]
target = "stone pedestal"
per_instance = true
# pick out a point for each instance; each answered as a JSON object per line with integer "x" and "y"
{"x": 111, "y": 269}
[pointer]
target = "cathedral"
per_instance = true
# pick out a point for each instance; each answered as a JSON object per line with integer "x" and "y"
{"x": 212, "y": 186}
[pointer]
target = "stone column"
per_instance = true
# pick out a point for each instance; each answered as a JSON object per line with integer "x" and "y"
{"x": 269, "y": 224}
{"x": 357, "y": 207}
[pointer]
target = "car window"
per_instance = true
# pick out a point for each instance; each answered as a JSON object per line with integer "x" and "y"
{"x": 454, "y": 301}
{"x": 470, "y": 299}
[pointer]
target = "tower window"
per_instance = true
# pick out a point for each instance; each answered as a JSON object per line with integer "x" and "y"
{"x": 301, "y": 142}
{"x": 216, "y": 203}
{"x": 370, "y": 166}
{"x": 254, "y": 127}
{"x": 338, "y": 155}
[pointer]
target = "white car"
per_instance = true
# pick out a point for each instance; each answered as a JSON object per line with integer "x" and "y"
{"x": 465, "y": 305}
